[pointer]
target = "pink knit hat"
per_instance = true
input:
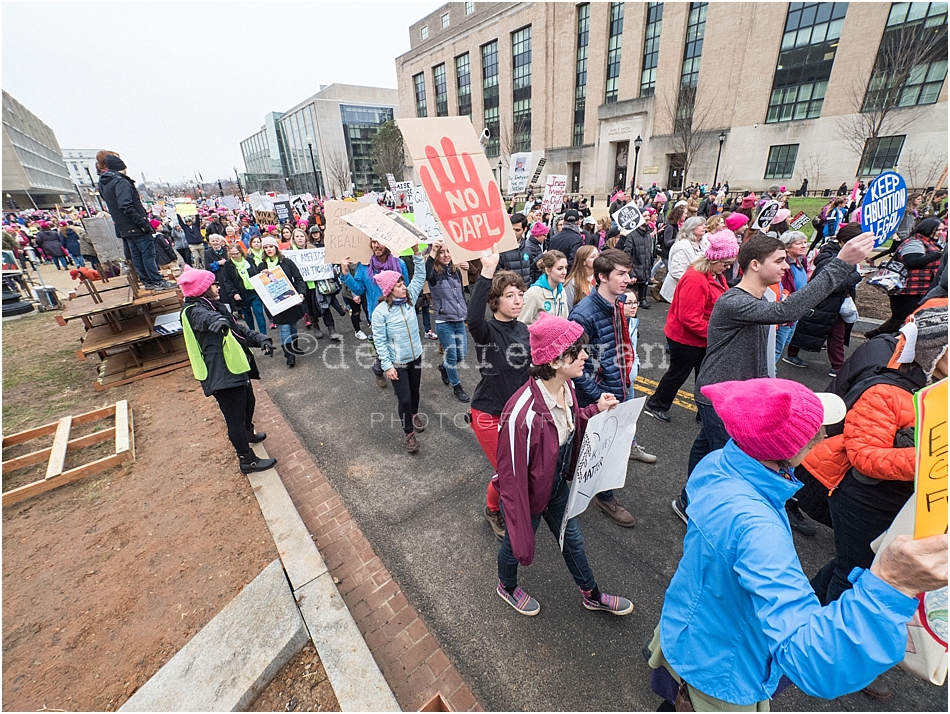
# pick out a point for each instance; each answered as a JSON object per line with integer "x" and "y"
{"x": 722, "y": 245}
{"x": 386, "y": 279}
{"x": 748, "y": 201}
{"x": 550, "y": 337}
{"x": 539, "y": 229}
{"x": 782, "y": 215}
{"x": 154, "y": 224}
{"x": 269, "y": 240}
{"x": 735, "y": 221}
{"x": 772, "y": 419}
{"x": 660, "y": 198}
{"x": 193, "y": 282}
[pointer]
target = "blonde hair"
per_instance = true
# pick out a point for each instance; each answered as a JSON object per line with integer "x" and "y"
{"x": 580, "y": 274}
{"x": 714, "y": 223}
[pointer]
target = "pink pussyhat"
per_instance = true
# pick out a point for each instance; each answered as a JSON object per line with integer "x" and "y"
{"x": 386, "y": 279}
{"x": 194, "y": 282}
{"x": 550, "y": 336}
{"x": 722, "y": 245}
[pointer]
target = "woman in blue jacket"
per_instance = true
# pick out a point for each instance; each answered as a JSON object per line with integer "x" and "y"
{"x": 739, "y": 612}
{"x": 445, "y": 284}
{"x": 398, "y": 343}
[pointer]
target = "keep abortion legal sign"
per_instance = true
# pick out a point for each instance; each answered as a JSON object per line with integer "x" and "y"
{"x": 884, "y": 205}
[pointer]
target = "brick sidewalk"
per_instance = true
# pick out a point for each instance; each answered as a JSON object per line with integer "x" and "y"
{"x": 410, "y": 658}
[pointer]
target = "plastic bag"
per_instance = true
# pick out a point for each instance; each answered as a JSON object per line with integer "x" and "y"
{"x": 890, "y": 277}
{"x": 849, "y": 311}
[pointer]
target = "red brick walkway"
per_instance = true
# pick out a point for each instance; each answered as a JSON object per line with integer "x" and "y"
{"x": 410, "y": 658}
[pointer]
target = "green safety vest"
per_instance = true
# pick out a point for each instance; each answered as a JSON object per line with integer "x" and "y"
{"x": 234, "y": 356}
{"x": 242, "y": 269}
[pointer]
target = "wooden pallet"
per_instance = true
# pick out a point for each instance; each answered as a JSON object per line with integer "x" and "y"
{"x": 55, "y": 455}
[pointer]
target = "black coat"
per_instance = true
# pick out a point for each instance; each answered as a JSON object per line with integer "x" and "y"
{"x": 164, "y": 250}
{"x": 567, "y": 241}
{"x": 639, "y": 246}
{"x": 125, "y": 206}
{"x": 192, "y": 232}
{"x": 813, "y": 329}
{"x": 208, "y": 320}
{"x": 50, "y": 243}
{"x": 522, "y": 260}
{"x": 232, "y": 284}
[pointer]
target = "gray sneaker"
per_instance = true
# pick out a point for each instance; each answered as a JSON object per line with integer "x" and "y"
{"x": 638, "y": 454}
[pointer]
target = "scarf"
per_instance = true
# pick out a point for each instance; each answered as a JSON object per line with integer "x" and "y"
{"x": 391, "y": 263}
{"x": 398, "y": 302}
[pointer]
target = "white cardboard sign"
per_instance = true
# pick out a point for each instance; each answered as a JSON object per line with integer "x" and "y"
{"x": 275, "y": 290}
{"x": 311, "y": 263}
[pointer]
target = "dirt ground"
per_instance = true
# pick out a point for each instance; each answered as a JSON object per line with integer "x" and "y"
{"x": 105, "y": 579}
{"x": 301, "y": 686}
{"x": 872, "y": 302}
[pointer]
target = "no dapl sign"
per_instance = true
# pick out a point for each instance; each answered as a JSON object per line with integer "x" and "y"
{"x": 884, "y": 205}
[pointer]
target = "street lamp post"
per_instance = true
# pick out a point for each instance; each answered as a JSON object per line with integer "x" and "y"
{"x": 313, "y": 165}
{"x": 237, "y": 176}
{"x": 499, "y": 175}
{"x": 722, "y": 138}
{"x": 637, "y": 143}
{"x": 220, "y": 188}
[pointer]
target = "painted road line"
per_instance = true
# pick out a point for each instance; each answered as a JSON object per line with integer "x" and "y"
{"x": 689, "y": 406}
{"x": 650, "y": 383}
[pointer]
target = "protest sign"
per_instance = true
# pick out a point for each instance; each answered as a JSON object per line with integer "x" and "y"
{"x": 186, "y": 209}
{"x": 554, "y": 191}
{"x": 371, "y": 198}
{"x": 629, "y": 217}
{"x": 282, "y": 209}
{"x": 265, "y": 218}
{"x": 311, "y": 262}
{"x": 423, "y": 216}
{"x": 402, "y": 194}
{"x": 275, "y": 290}
{"x": 883, "y": 206}
{"x": 391, "y": 180}
{"x": 232, "y": 203}
{"x": 260, "y": 203}
{"x": 763, "y": 221}
{"x": 931, "y": 465}
{"x": 299, "y": 204}
{"x": 537, "y": 171}
{"x": 341, "y": 239}
{"x": 799, "y": 220}
{"x": 519, "y": 165}
{"x": 462, "y": 191}
{"x": 101, "y": 231}
{"x": 387, "y": 227}
{"x": 602, "y": 462}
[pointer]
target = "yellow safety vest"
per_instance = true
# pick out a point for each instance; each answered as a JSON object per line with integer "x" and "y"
{"x": 234, "y": 356}
{"x": 242, "y": 269}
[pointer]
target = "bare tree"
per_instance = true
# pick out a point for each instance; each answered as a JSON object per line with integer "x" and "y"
{"x": 508, "y": 137}
{"x": 389, "y": 151}
{"x": 688, "y": 118}
{"x": 877, "y": 108}
{"x": 337, "y": 167}
{"x": 813, "y": 167}
{"x": 921, "y": 168}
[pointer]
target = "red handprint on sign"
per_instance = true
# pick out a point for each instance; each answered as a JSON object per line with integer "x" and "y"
{"x": 471, "y": 214}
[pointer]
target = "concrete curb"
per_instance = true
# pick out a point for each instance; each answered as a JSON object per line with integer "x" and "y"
{"x": 230, "y": 661}
{"x": 356, "y": 679}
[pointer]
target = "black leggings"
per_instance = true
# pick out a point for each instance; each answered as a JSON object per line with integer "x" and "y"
{"x": 354, "y": 312}
{"x": 407, "y": 391}
{"x": 683, "y": 360}
{"x": 237, "y": 405}
{"x": 901, "y": 307}
{"x": 641, "y": 289}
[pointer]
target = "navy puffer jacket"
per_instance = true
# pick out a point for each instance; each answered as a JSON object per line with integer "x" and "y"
{"x": 601, "y": 371}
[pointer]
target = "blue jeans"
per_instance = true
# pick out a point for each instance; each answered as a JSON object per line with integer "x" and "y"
{"x": 142, "y": 252}
{"x": 574, "y": 556}
{"x": 79, "y": 261}
{"x": 287, "y": 333}
{"x": 783, "y": 335}
{"x": 253, "y": 307}
{"x": 455, "y": 341}
{"x": 56, "y": 261}
{"x": 711, "y": 437}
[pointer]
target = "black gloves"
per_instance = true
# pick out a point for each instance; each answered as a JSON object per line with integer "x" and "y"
{"x": 267, "y": 347}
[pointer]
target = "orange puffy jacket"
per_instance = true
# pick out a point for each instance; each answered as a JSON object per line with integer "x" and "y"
{"x": 867, "y": 443}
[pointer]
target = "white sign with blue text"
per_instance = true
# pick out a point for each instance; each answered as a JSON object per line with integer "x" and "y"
{"x": 883, "y": 206}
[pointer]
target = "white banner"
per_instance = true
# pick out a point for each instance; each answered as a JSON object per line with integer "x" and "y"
{"x": 311, "y": 262}
{"x": 554, "y": 191}
{"x": 518, "y": 168}
{"x": 602, "y": 463}
{"x": 424, "y": 217}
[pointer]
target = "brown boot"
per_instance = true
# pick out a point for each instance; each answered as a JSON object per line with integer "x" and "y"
{"x": 615, "y": 512}
{"x": 412, "y": 446}
{"x": 497, "y": 522}
{"x": 878, "y": 689}
{"x": 418, "y": 424}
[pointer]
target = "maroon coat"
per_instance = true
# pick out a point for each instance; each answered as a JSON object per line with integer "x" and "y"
{"x": 528, "y": 447}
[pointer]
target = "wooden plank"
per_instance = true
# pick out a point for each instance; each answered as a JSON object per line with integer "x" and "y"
{"x": 85, "y": 305}
{"x": 102, "y": 338}
{"x": 37, "y": 487}
{"x": 57, "y": 457}
{"x": 121, "y": 426}
{"x": 100, "y": 386}
{"x": 100, "y": 413}
{"x": 29, "y": 434}
{"x": 36, "y": 457}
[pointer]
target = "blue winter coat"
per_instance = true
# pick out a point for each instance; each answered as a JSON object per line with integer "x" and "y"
{"x": 70, "y": 242}
{"x": 396, "y": 329}
{"x": 740, "y": 613}
{"x": 601, "y": 371}
{"x": 362, "y": 283}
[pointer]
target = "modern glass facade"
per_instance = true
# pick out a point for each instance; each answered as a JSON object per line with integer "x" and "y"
{"x": 614, "y": 39}
{"x": 490, "y": 97}
{"x": 36, "y": 148}
{"x": 360, "y": 125}
{"x": 295, "y": 128}
{"x": 651, "y": 49}
{"x": 580, "y": 76}
{"x": 521, "y": 89}
{"x": 463, "y": 83}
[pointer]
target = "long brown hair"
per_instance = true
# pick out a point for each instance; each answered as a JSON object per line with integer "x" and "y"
{"x": 437, "y": 263}
{"x": 578, "y": 275}
{"x": 101, "y": 160}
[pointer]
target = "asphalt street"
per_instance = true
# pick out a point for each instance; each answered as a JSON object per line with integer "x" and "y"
{"x": 423, "y": 515}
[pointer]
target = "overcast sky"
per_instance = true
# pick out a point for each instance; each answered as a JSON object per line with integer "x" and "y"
{"x": 175, "y": 87}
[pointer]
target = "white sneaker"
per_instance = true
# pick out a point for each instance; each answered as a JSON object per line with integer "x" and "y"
{"x": 638, "y": 454}
{"x": 361, "y": 335}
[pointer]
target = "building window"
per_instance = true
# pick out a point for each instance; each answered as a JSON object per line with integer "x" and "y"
{"x": 521, "y": 85}
{"x": 580, "y": 81}
{"x": 469, "y": 8}
{"x": 441, "y": 91}
{"x": 693, "y": 52}
{"x": 445, "y": 20}
{"x": 360, "y": 125}
{"x": 781, "y": 161}
{"x": 419, "y": 81}
{"x": 651, "y": 49}
{"x": 911, "y": 63}
{"x": 424, "y": 33}
{"x": 880, "y": 155}
{"x": 615, "y": 35}
{"x": 490, "y": 97}
{"x": 805, "y": 60}
{"x": 463, "y": 79}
